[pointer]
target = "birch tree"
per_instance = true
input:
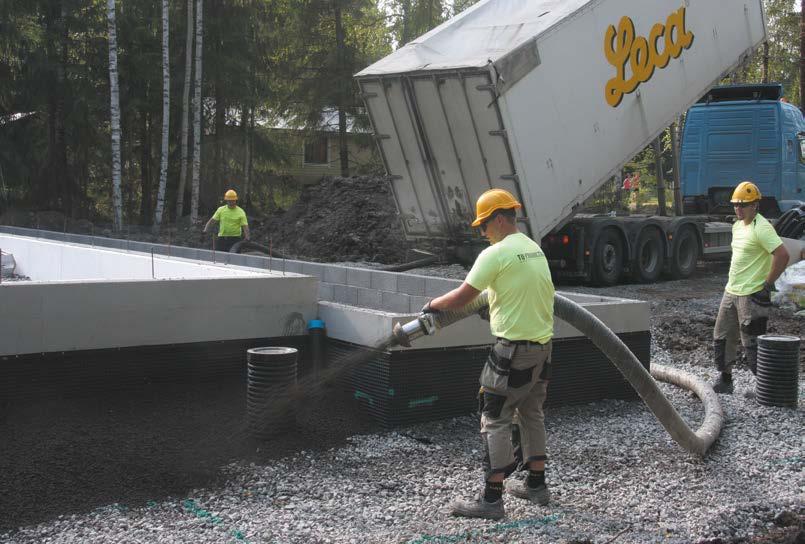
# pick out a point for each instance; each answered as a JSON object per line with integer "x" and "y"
{"x": 188, "y": 59}
{"x": 166, "y": 108}
{"x": 197, "y": 106}
{"x": 117, "y": 198}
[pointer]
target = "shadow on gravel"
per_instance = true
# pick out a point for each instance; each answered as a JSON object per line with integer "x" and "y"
{"x": 65, "y": 456}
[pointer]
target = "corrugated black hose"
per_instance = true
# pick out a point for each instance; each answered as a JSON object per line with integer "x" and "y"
{"x": 621, "y": 356}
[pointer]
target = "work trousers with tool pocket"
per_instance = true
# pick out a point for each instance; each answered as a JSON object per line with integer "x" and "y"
{"x": 514, "y": 381}
{"x": 746, "y": 316}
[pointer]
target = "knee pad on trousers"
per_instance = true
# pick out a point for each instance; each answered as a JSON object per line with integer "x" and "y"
{"x": 756, "y": 327}
{"x": 493, "y": 404}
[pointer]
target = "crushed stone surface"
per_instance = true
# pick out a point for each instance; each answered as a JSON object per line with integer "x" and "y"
{"x": 615, "y": 474}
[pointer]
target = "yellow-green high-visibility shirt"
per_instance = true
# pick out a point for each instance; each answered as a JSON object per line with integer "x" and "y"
{"x": 515, "y": 273}
{"x": 230, "y": 220}
{"x": 752, "y": 246}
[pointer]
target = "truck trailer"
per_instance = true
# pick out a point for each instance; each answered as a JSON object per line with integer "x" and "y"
{"x": 549, "y": 99}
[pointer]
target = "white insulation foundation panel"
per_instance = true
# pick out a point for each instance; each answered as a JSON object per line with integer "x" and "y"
{"x": 371, "y": 327}
{"x": 84, "y": 298}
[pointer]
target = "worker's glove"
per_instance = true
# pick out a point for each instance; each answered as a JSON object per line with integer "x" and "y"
{"x": 484, "y": 313}
{"x": 763, "y": 297}
{"x": 426, "y": 309}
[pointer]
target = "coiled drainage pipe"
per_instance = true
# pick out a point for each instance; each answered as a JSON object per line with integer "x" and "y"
{"x": 621, "y": 356}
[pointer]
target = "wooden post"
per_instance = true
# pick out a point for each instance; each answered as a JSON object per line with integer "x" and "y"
{"x": 660, "y": 180}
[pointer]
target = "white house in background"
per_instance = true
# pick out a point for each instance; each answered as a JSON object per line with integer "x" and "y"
{"x": 315, "y": 154}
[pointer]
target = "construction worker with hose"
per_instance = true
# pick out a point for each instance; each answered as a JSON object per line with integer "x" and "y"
{"x": 233, "y": 224}
{"x": 758, "y": 259}
{"x": 514, "y": 380}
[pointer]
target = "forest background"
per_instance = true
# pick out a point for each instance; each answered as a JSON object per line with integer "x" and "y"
{"x": 143, "y": 112}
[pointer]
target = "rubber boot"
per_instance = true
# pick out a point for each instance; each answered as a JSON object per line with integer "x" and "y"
{"x": 724, "y": 384}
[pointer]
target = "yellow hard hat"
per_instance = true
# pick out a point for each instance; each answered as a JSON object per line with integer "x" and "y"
{"x": 745, "y": 192}
{"x": 230, "y": 195}
{"x": 491, "y": 201}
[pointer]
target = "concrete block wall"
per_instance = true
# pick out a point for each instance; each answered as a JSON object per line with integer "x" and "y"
{"x": 394, "y": 292}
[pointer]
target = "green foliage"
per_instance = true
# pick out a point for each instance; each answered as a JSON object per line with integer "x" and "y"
{"x": 266, "y": 59}
{"x": 783, "y": 25}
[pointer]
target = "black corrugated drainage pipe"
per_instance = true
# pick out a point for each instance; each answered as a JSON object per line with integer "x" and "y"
{"x": 620, "y": 355}
{"x": 248, "y": 245}
{"x": 428, "y": 259}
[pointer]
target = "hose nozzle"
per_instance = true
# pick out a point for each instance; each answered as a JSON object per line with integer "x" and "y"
{"x": 423, "y": 325}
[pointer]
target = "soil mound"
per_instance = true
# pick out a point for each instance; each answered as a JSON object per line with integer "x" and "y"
{"x": 339, "y": 219}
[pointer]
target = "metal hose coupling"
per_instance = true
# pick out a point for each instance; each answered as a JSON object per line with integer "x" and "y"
{"x": 427, "y": 324}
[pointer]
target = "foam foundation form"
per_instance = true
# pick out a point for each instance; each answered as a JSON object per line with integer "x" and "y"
{"x": 202, "y": 310}
{"x": 91, "y": 298}
{"x": 438, "y": 376}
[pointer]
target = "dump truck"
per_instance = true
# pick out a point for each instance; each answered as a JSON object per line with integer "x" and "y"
{"x": 549, "y": 99}
{"x": 743, "y": 132}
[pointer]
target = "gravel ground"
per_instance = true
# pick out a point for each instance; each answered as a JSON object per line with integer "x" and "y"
{"x": 614, "y": 472}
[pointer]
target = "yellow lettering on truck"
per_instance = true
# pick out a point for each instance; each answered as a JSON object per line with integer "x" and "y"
{"x": 622, "y": 46}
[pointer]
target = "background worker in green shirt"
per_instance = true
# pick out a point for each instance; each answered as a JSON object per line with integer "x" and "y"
{"x": 233, "y": 224}
{"x": 514, "y": 380}
{"x": 758, "y": 259}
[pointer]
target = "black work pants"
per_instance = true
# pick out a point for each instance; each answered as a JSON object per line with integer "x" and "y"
{"x": 225, "y": 243}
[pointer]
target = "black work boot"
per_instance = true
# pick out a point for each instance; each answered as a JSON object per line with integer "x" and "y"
{"x": 724, "y": 384}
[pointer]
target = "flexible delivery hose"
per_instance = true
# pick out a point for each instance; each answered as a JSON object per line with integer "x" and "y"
{"x": 620, "y": 355}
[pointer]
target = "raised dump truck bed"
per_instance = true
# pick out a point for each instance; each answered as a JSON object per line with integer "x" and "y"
{"x": 548, "y": 99}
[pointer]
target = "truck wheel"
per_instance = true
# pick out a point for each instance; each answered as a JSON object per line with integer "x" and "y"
{"x": 608, "y": 258}
{"x": 684, "y": 254}
{"x": 649, "y": 256}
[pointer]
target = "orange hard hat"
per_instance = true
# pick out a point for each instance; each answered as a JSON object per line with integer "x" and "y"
{"x": 745, "y": 193}
{"x": 492, "y": 201}
{"x": 230, "y": 195}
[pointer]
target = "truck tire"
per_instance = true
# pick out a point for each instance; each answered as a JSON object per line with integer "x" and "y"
{"x": 649, "y": 256}
{"x": 684, "y": 253}
{"x": 608, "y": 258}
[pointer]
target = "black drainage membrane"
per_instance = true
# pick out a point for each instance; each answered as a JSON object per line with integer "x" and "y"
{"x": 271, "y": 374}
{"x": 778, "y": 370}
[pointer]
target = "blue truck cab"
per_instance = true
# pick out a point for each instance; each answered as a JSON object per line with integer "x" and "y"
{"x": 737, "y": 133}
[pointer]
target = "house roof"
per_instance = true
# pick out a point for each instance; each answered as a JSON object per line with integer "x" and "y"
{"x": 11, "y": 117}
{"x": 328, "y": 123}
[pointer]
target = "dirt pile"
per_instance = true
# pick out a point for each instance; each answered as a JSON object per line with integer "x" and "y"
{"x": 338, "y": 219}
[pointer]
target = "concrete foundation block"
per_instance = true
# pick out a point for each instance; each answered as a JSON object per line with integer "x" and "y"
{"x": 384, "y": 281}
{"x": 417, "y": 303}
{"x": 411, "y": 285}
{"x": 326, "y": 292}
{"x": 359, "y": 277}
{"x": 335, "y": 274}
{"x": 238, "y": 260}
{"x": 370, "y": 298}
{"x": 435, "y": 287}
{"x": 313, "y": 269}
{"x": 113, "y": 243}
{"x": 293, "y": 266}
{"x": 395, "y": 302}
{"x": 345, "y": 294}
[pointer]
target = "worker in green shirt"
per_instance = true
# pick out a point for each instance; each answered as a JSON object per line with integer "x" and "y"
{"x": 758, "y": 259}
{"x": 233, "y": 225}
{"x": 514, "y": 380}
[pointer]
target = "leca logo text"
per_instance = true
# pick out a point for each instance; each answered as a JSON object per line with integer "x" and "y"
{"x": 643, "y": 55}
